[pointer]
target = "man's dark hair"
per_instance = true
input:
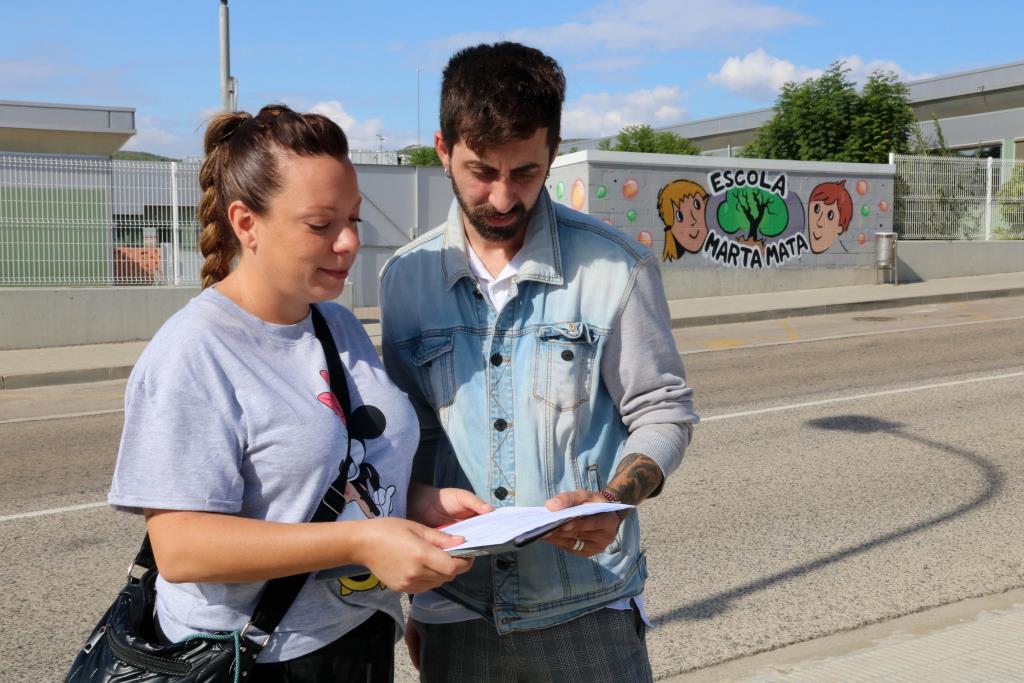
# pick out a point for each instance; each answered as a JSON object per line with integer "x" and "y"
{"x": 493, "y": 94}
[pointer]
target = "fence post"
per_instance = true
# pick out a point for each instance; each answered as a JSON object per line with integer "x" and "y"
{"x": 988, "y": 199}
{"x": 175, "y": 227}
{"x": 892, "y": 158}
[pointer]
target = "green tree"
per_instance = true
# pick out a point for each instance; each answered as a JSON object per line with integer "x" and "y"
{"x": 753, "y": 210}
{"x": 643, "y": 138}
{"x": 424, "y": 156}
{"x": 826, "y": 119}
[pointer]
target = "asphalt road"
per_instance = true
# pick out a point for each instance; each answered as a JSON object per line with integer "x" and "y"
{"x": 850, "y": 469}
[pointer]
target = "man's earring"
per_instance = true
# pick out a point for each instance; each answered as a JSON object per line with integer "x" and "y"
{"x": 447, "y": 173}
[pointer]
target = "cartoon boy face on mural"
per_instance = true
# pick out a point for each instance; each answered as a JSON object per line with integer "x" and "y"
{"x": 681, "y": 206}
{"x": 828, "y": 214}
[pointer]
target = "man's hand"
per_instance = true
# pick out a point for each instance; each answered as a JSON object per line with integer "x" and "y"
{"x": 436, "y": 507}
{"x": 595, "y": 531}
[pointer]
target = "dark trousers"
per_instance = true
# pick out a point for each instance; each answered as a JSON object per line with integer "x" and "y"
{"x": 606, "y": 646}
{"x": 366, "y": 654}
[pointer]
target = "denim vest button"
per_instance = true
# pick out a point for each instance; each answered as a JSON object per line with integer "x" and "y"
{"x": 501, "y": 493}
{"x": 567, "y": 355}
{"x": 500, "y": 425}
{"x": 496, "y": 359}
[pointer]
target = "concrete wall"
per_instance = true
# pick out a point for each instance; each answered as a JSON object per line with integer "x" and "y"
{"x": 752, "y": 231}
{"x": 928, "y": 260}
{"x": 39, "y": 317}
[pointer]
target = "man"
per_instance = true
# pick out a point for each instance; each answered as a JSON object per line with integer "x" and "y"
{"x": 535, "y": 343}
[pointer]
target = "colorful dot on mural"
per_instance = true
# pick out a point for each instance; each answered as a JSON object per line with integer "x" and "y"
{"x": 631, "y": 215}
{"x": 579, "y": 194}
{"x": 602, "y": 192}
{"x": 862, "y": 187}
{"x": 560, "y": 190}
{"x": 630, "y": 188}
{"x": 865, "y": 211}
{"x": 861, "y": 239}
{"x": 883, "y": 206}
{"x": 644, "y": 238}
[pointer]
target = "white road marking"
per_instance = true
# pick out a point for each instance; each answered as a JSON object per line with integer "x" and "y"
{"x": 710, "y": 418}
{"x": 52, "y": 511}
{"x": 852, "y": 335}
{"x": 64, "y": 416}
{"x": 857, "y": 397}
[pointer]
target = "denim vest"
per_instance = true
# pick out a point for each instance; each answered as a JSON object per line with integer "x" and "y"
{"x": 512, "y": 405}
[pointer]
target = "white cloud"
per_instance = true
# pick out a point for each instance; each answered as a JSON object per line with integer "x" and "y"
{"x": 363, "y": 134}
{"x": 601, "y": 114}
{"x": 860, "y": 70}
{"x": 158, "y": 136}
{"x": 660, "y": 25}
{"x": 759, "y": 75}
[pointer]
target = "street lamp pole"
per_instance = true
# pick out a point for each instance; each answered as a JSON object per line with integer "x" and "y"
{"x": 227, "y": 100}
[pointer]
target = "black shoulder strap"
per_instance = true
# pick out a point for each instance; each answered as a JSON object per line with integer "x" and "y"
{"x": 279, "y": 594}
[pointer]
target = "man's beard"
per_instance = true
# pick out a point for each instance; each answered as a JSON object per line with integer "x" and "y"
{"x": 494, "y": 233}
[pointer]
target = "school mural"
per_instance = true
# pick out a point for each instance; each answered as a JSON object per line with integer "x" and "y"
{"x": 749, "y": 219}
{"x": 707, "y": 215}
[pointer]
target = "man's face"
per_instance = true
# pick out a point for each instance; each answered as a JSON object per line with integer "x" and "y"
{"x": 823, "y": 225}
{"x": 498, "y": 189}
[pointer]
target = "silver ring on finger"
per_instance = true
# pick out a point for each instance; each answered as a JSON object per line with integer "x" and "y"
{"x": 578, "y": 545}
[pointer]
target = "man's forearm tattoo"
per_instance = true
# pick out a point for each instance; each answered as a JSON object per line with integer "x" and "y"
{"x": 636, "y": 478}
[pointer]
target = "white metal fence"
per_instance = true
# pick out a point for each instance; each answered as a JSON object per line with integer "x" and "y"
{"x": 69, "y": 221}
{"x": 958, "y": 198}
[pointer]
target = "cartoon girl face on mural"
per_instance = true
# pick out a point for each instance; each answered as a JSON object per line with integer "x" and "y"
{"x": 829, "y": 212}
{"x": 681, "y": 205}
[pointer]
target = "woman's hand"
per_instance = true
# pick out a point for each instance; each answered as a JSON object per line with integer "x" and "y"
{"x": 412, "y": 642}
{"x": 596, "y": 531}
{"x": 437, "y": 507}
{"x": 406, "y": 556}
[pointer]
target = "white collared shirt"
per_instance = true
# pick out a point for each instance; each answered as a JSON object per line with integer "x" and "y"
{"x": 496, "y": 289}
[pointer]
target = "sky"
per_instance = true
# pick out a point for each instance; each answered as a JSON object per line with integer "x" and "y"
{"x": 375, "y": 67}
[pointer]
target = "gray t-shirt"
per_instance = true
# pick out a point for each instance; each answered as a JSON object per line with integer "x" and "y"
{"x": 227, "y": 413}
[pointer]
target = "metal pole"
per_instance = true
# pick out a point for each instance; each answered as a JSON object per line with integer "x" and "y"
{"x": 225, "y": 59}
{"x": 988, "y": 199}
{"x": 175, "y": 226}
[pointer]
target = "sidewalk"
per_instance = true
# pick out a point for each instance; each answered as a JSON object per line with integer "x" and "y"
{"x": 980, "y": 639}
{"x": 95, "y": 362}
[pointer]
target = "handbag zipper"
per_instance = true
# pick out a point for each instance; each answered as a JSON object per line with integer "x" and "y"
{"x": 96, "y": 637}
{"x": 151, "y": 662}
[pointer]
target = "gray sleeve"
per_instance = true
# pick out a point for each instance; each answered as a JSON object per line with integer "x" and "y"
{"x": 404, "y": 377}
{"x": 644, "y": 374}
{"x": 177, "y": 453}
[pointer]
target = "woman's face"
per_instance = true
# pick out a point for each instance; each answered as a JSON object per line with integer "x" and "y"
{"x": 306, "y": 241}
{"x": 688, "y": 224}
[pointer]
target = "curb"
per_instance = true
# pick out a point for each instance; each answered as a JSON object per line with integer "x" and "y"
{"x": 821, "y": 309}
{"x": 77, "y": 376}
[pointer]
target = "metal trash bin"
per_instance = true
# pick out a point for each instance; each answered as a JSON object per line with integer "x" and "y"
{"x": 885, "y": 255}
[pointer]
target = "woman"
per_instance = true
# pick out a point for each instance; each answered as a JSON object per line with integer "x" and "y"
{"x": 232, "y": 434}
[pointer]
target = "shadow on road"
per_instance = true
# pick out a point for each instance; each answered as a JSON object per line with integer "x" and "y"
{"x": 993, "y": 484}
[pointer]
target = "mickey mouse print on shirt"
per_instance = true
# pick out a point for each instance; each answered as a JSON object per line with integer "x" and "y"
{"x": 363, "y": 485}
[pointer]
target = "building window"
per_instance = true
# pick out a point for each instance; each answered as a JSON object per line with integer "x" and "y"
{"x": 986, "y": 151}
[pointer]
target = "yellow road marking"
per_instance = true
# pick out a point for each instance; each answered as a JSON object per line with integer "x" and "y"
{"x": 980, "y": 315}
{"x": 727, "y": 343}
{"x": 791, "y": 333}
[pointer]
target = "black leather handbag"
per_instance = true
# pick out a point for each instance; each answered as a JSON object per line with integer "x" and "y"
{"x": 124, "y": 647}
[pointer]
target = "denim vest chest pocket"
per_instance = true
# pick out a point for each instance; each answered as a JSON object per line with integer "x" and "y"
{"x": 563, "y": 364}
{"x": 433, "y": 357}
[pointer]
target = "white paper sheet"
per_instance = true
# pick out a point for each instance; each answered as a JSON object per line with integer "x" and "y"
{"x": 515, "y": 525}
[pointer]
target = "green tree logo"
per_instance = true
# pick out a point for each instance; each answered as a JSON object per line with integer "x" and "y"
{"x": 754, "y": 211}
